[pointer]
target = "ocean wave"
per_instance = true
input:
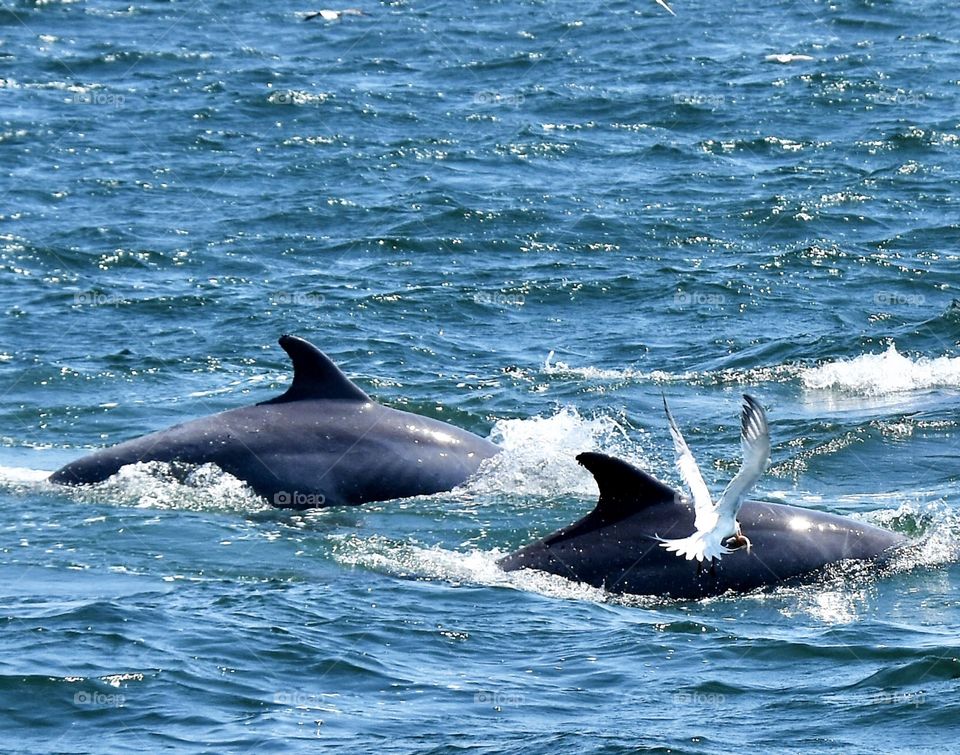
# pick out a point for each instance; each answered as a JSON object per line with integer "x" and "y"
{"x": 729, "y": 376}
{"x": 881, "y": 374}
{"x": 871, "y": 375}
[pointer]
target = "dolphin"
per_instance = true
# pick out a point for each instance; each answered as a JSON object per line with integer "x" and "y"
{"x": 616, "y": 546}
{"x": 322, "y": 443}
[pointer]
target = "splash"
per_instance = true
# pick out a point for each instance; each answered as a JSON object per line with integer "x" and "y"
{"x": 22, "y": 475}
{"x": 158, "y": 485}
{"x": 936, "y": 529}
{"x": 21, "y": 480}
{"x": 881, "y": 374}
{"x": 474, "y": 567}
{"x": 539, "y": 454}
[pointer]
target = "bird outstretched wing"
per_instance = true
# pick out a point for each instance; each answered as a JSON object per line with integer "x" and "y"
{"x": 755, "y": 444}
{"x": 687, "y": 468}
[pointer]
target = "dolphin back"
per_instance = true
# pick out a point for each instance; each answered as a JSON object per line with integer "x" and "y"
{"x": 323, "y": 442}
{"x": 621, "y": 553}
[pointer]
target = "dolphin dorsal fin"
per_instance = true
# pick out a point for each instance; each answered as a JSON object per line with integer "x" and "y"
{"x": 624, "y": 489}
{"x": 315, "y": 376}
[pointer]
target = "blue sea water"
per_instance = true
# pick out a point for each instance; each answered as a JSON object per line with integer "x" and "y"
{"x": 527, "y": 218}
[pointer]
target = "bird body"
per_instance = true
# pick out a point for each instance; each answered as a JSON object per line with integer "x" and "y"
{"x": 333, "y": 15}
{"x": 716, "y": 525}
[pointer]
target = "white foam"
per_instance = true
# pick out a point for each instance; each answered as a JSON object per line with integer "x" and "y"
{"x": 157, "y": 485}
{"x": 937, "y": 538}
{"x": 474, "y": 567}
{"x": 147, "y": 485}
{"x": 298, "y": 97}
{"x": 599, "y": 373}
{"x": 14, "y": 476}
{"x": 881, "y": 374}
{"x": 731, "y": 376}
{"x": 539, "y": 454}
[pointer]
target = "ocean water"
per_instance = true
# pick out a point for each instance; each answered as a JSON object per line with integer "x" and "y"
{"x": 529, "y": 219}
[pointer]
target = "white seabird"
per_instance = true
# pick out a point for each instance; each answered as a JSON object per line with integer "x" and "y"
{"x": 663, "y": 4}
{"x": 333, "y": 15}
{"x": 717, "y": 524}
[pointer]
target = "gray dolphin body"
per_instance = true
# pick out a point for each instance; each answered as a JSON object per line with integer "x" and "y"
{"x": 616, "y": 547}
{"x": 322, "y": 443}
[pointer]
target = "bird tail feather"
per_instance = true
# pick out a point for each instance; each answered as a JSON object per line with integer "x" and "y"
{"x": 696, "y": 546}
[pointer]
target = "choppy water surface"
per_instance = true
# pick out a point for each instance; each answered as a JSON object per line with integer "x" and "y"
{"x": 526, "y": 218}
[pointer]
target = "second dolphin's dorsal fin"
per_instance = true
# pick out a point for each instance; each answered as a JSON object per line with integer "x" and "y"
{"x": 624, "y": 489}
{"x": 315, "y": 376}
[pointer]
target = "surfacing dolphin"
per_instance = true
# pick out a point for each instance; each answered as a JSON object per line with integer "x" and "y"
{"x": 617, "y": 547}
{"x": 322, "y": 443}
